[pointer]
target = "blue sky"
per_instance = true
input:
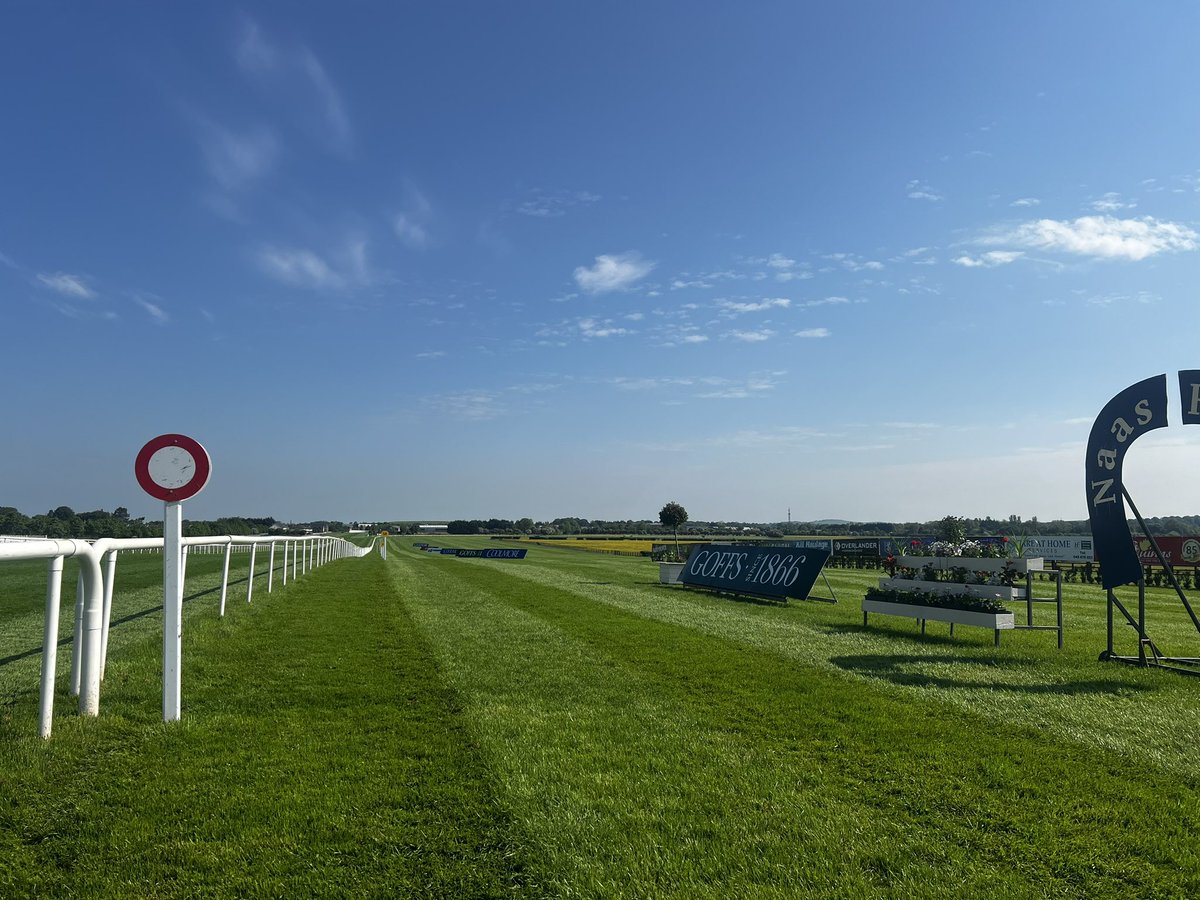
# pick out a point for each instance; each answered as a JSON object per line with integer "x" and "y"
{"x": 866, "y": 261}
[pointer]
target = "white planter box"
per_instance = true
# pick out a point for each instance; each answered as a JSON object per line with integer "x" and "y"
{"x": 668, "y": 573}
{"x": 973, "y": 564}
{"x": 995, "y": 621}
{"x": 998, "y": 591}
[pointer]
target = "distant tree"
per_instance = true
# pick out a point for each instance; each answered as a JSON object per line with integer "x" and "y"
{"x": 672, "y": 516}
{"x": 524, "y": 525}
{"x": 462, "y": 526}
{"x": 952, "y": 530}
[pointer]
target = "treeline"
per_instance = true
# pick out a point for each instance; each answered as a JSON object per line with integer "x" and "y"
{"x": 64, "y": 522}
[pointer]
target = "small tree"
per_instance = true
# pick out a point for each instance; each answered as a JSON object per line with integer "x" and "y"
{"x": 951, "y": 530}
{"x": 672, "y": 516}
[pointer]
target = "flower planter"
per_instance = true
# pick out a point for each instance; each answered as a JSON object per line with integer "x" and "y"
{"x": 996, "y": 621}
{"x": 998, "y": 591}
{"x": 973, "y": 563}
{"x": 668, "y": 572}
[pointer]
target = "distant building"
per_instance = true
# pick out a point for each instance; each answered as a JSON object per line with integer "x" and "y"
{"x": 432, "y": 529}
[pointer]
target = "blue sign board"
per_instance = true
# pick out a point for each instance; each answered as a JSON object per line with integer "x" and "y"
{"x": 776, "y": 572}
{"x": 1140, "y": 408}
{"x": 491, "y": 553}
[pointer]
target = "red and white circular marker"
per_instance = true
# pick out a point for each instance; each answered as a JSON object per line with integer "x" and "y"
{"x": 172, "y": 467}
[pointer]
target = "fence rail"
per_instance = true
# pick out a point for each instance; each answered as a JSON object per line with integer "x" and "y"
{"x": 97, "y": 578}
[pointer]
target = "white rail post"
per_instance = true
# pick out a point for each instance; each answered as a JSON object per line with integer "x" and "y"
{"x": 110, "y": 580}
{"x": 77, "y": 640}
{"x": 285, "y": 556}
{"x": 50, "y": 647}
{"x": 173, "y": 576}
{"x": 295, "y": 553}
{"x": 271, "y": 569}
{"x": 93, "y": 631}
{"x": 250, "y": 581}
{"x": 225, "y": 576}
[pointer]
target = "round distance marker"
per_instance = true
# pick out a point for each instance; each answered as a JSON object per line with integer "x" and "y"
{"x": 172, "y": 467}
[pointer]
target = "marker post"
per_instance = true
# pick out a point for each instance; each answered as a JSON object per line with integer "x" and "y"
{"x": 172, "y": 468}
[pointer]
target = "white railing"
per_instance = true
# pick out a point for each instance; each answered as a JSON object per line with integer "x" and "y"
{"x": 94, "y": 593}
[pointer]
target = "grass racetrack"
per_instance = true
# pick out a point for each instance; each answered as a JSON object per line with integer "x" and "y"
{"x": 564, "y": 726}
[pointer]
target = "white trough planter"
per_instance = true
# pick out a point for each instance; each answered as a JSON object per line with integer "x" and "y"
{"x": 995, "y": 621}
{"x": 997, "y": 591}
{"x": 973, "y": 564}
{"x": 668, "y": 573}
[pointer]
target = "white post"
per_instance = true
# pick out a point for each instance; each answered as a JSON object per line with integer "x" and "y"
{"x": 250, "y": 583}
{"x": 271, "y": 569}
{"x": 225, "y": 576}
{"x": 285, "y": 555}
{"x": 110, "y": 580}
{"x": 77, "y": 641}
{"x": 295, "y": 553}
{"x": 50, "y": 647}
{"x": 173, "y": 576}
{"x": 93, "y": 631}
{"x": 305, "y": 552}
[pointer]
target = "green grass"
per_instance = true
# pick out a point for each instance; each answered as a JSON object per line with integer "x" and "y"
{"x": 565, "y": 726}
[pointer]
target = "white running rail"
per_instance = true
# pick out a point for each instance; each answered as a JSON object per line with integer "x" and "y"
{"x": 97, "y": 577}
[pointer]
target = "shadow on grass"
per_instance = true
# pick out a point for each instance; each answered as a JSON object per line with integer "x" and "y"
{"x": 132, "y": 617}
{"x": 890, "y": 667}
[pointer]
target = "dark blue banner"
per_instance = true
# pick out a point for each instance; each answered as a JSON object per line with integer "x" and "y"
{"x": 491, "y": 553}
{"x": 764, "y": 571}
{"x": 1140, "y": 408}
{"x": 1189, "y": 396}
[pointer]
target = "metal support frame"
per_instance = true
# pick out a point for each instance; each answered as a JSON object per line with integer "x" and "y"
{"x": 1149, "y": 654}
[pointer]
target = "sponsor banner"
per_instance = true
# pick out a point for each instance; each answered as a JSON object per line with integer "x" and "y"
{"x": 1140, "y": 408}
{"x": 445, "y": 551}
{"x": 1178, "y": 551}
{"x": 1059, "y": 547}
{"x": 857, "y": 547}
{"x": 420, "y": 545}
{"x": 804, "y": 544}
{"x": 777, "y": 572}
{"x": 491, "y": 554}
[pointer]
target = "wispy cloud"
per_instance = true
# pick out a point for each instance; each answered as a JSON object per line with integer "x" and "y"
{"x": 737, "y": 308}
{"x": 152, "y": 309}
{"x": 600, "y": 328}
{"x": 918, "y": 190}
{"x": 1111, "y": 203}
{"x": 304, "y": 268}
{"x": 1103, "y": 237}
{"x": 814, "y": 333}
{"x": 297, "y": 76}
{"x": 1026, "y": 201}
{"x": 236, "y": 160}
{"x": 553, "y": 204}
{"x": 751, "y": 337}
{"x": 411, "y": 223}
{"x": 613, "y": 272}
{"x": 989, "y": 260}
{"x": 431, "y": 354}
{"x": 468, "y": 406}
{"x": 68, "y": 285}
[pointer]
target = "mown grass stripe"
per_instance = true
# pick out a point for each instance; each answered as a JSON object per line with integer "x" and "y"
{"x": 995, "y": 803}
{"x": 320, "y": 754}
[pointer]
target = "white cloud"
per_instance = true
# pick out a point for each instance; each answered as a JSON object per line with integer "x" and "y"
{"x": 431, "y": 354}
{"x": 752, "y": 337}
{"x": 411, "y": 235}
{"x": 1026, "y": 201}
{"x": 828, "y": 301}
{"x": 814, "y": 333}
{"x": 594, "y": 328}
{"x": 1104, "y": 237}
{"x": 68, "y": 285}
{"x": 468, "y": 406}
{"x": 153, "y": 310}
{"x": 736, "y": 308}
{"x": 295, "y": 74}
{"x": 989, "y": 260}
{"x": 553, "y": 204}
{"x": 918, "y": 191}
{"x": 694, "y": 339}
{"x": 299, "y": 268}
{"x": 1111, "y": 203}
{"x": 779, "y": 261}
{"x": 613, "y": 272}
{"x": 235, "y": 160}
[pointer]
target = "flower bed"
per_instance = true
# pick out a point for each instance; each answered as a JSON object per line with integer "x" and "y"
{"x": 889, "y": 591}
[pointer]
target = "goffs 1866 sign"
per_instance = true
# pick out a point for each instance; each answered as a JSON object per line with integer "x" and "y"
{"x": 766, "y": 571}
{"x": 1138, "y": 409}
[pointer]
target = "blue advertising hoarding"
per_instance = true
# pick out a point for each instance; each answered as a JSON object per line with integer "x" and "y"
{"x": 776, "y": 572}
{"x": 491, "y": 553}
